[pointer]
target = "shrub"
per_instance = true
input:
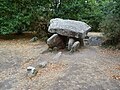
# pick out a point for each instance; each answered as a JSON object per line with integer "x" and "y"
{"x": 111, "y": 25}
{"x": 17, "y": 15}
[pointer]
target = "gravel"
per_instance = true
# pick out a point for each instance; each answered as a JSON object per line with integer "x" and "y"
{"x": 92, "y": 68}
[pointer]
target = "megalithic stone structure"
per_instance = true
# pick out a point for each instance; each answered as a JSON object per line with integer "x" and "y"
{"x": 74, "y": 31}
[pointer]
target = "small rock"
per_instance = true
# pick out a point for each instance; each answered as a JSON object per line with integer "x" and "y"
{"x": 31, "y": 71}
{"x": 34, "y": 39}
{"x": 57, "y": 56}
{"x": 55, "y": 49}
{"x": 42, "y": 64}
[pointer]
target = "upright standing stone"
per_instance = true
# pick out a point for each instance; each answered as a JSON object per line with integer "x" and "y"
{"x": 75, "y": 46}
{"x": 55, "y": 41}
{"x": 70, "y": 43}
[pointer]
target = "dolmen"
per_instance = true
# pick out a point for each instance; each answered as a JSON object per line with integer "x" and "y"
{"x": 67, "y": 33}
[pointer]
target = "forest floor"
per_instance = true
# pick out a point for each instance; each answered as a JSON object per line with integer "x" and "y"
{"x": 90, "y": 68}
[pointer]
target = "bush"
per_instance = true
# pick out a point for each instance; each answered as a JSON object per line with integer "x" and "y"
{"x": 40, "y": 27}
{"x": 17, "y": 15}
{"x": 111, "y": 26}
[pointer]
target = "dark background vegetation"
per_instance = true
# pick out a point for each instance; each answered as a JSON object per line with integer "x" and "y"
{"x": 17, "y": 16}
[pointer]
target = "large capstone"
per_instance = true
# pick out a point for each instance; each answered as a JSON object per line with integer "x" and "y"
{"x": 69, "y": 28}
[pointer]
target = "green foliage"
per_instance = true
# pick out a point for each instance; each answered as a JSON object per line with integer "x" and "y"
{"x": 16, "y": 15}
{"x": 40, "y": 27}
{"x": 19, "y": 15}
{"x": 111, "y": 25}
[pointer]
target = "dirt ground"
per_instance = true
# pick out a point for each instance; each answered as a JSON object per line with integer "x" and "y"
{"x": 91, "y": 68}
